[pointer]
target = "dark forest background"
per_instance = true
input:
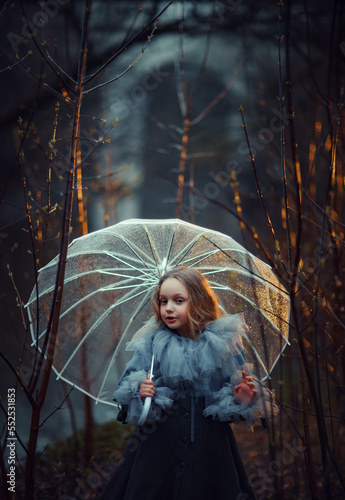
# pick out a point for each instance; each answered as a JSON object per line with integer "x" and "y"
{"x": 228, "y": 114}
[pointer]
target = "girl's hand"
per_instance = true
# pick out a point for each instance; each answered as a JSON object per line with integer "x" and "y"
{"x": 147, "y": 388}
{"x": 245, "y": 392}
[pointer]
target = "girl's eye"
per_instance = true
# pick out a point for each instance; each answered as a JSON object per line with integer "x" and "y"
{"x": 179, "y": 301}
{"x": 163, "y": 301}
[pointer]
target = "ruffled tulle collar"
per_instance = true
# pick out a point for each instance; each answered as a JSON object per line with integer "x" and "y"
{"x": 201, "y": 363}
{"x": 231, "y": 325}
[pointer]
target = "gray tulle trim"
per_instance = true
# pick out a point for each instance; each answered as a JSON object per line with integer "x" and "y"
{"x": 127, "y": 393}
{"x": 209, "y": 367}
{"x": 218, "y": 350}
{"x": 223, "y": 406}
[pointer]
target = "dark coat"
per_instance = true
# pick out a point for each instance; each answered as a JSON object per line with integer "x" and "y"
{"x": 184, "y": 456}
{"x": 186, "y": 449}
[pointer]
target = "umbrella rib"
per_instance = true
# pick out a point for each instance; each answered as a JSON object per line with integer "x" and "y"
{"x": 88, "y": 296}
{"x": 152, "y": 245}
{"x": 250, "y": 256}
{"x": 170, "y": 244}
{"x": 210, "y": 253}
{"x": 95, "y": 292}
{"x": 247, "y": 271}
{"x": 225, "y": 287}
{"x": 142, "y": 304}
{"x": 161, "y": 265}
{"x": 87, "y": 273}
{"x": 250, "y": 273}
{"x": 103, "y": 252}
{"x": 135, "y": 252}
{"x": 111, "y": 403}
{"x": 93, "y": 252}
{"x": 255, "y": 306}
{"x": 172, "y": 237}
{"x": 257, "y": 356}
{"x": 192, "y": 243}
{"x": 277, "y": 358}
{"x": 99, "y": 320}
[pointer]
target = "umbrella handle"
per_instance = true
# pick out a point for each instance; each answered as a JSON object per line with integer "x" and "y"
{"x": 148, "y": 400}
{"x": 145, "y": 412}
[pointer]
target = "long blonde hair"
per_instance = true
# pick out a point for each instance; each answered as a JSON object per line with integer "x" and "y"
{"x": 202, "y": 304}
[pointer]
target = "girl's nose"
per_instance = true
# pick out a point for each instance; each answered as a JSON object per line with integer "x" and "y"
{"x": 169, "y": 306}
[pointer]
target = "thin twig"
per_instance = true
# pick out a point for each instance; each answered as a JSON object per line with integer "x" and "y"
{"x": 18, "y": 377}
{"x": 47, "y": 60}
{"x": 56, "y": 408}
{"x": 126, "y": 45}
{"x": 131, "y": 66}
{"x": 268, "y": 218}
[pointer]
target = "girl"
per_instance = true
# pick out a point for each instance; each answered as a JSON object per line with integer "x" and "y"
{"x": 186, "y": 449}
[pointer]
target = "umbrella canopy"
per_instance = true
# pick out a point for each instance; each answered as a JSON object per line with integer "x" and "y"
{"x": 110, "y": 277}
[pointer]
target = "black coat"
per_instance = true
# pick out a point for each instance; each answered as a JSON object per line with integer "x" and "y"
{"x": 184, "y": 456}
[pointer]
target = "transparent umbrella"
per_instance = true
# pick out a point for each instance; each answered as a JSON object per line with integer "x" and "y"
{"x": 110, "y": 277}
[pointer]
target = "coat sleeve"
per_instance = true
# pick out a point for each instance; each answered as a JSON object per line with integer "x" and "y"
{"x": 127, "y": 391}
{"x": 221, "y": 404}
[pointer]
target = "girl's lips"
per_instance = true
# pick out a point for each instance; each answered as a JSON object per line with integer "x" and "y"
{"x": 170, "y": 319}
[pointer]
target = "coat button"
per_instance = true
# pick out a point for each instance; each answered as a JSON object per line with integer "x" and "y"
{"x": 186, "y": 414}
{"x": 181, "y": 464}
{"x": 184, "y": 439}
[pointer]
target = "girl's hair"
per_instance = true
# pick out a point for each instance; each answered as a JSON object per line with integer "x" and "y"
{"x": 202, "y": 304}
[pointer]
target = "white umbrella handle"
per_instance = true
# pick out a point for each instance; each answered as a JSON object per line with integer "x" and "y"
{"x": 145, "y": 412}
{"x": 148, "y": 400}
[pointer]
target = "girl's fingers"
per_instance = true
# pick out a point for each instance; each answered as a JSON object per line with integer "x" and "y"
{"x": 146, "y": 394}
{"x": 148, "y": 383}
{"x": 147, "y": 389}
{"x": 245, "y": 388}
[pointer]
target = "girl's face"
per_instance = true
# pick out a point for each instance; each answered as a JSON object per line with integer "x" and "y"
{"x": 173, "y": 300}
